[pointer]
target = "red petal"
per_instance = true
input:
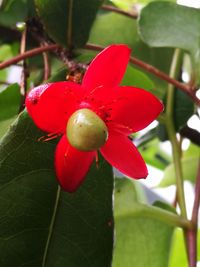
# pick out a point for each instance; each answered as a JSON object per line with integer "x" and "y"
{"x": 127, "y": 109}
{"x": 107, "y": 68}
{"x": 120, "y": 152}
{"x": 71, "y": 165}
{"x": 51, "y": 104}
{"x": 135, "y": 108}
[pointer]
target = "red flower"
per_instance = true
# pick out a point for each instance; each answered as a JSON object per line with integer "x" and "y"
{"x": 98, "y": 114}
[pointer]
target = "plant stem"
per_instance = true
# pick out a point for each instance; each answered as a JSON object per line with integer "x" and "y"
{"x": 192, "y": 234}
{"x": 53, "y": 47}
{"x": 47, "y": 66}
{"x": 197, "y": 197}
{"x": 133, "y": 15}
{"x": 175, "y": 67}
{"x": 177, "y": 163}
{"x": 191, "y": 238}
{"x": 27, "y": 54}
{"x": 25, "y": 72}
{"x": 4, "y": 83}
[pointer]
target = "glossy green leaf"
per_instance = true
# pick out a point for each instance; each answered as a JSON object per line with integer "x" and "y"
{"x": 190, "y": 167}
{"x": 68, "y": 22}
{"x": 9, "y": 101}
{"x": 183, "y": 109}
{"x": 162, "y": 132}
{"x": 164, "y": 24}
{"x": 41, "y": 225}
{"x": 13, "y": 11}
{"x": 106, "y": 31}
{"x": 136, "y": 78}
{"x": 140, "y": 241}
{"x": 5, "y": 125}
{"x": 60, "y": 75}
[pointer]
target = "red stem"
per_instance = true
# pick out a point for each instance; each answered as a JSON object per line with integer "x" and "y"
{"x": 192, "y": 234}
{"x": 184, "y": 87}
{"x": 28, "y": 54}
{"x": 47, "y": 67}
{"x": 197, "y": 197}
{"x": 133, "y": 15}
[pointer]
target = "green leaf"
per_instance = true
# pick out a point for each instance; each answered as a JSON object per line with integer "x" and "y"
{"x": 190, "y": 167}
{"x": 38, "y": 222}
{"x": 192, "y": 151}
{"x": 3, "y": 77}
{"x": 134, "y": 77}
{"x": 14, "y": 11}
{"x": 60, "y": 75}
{"x": 68, "y": 22}
{"x": 104, "y": 33}
{"x": 140, "y": 241}
{"x": 183, "y": 109}
{"x": 5, "y": 124}
{"x": 164, "y": 206}
{"x": 9, "y": 101}
{"x": 8, "y": 51}
{"x": 164, "y": 24}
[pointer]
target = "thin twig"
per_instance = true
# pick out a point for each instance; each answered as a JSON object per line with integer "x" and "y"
{"x": 197, "y": 197}
{"x": 133, "y": 15}
{"x": 184, "y": 87}
{"x": 47, "y": 66}
{"x": 24, "y": 74}
{"x": 28, "y": 54}
{"x": 37, "y": 32}
{"x": 71, "y": 64}
{"x": 5, "y": 83}
{"x": 192, "y": 234}
{"x": 192, "y": 247}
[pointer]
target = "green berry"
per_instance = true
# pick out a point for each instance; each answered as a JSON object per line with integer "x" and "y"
{"x": 86, "y": 131}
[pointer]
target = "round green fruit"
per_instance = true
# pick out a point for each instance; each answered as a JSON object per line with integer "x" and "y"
{"x": 86, "y": 131}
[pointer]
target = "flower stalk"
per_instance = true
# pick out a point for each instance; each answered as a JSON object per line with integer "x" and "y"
{"x": 175, "y": 67}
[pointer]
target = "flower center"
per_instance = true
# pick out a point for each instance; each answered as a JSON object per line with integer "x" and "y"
{"x": 86, "y": 131}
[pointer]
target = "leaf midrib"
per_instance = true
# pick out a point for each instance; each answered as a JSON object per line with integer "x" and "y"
{"x": 51, "y": 227}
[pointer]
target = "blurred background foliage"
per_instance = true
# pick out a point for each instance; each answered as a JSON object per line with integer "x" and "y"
{"x": 43, "y": 226}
